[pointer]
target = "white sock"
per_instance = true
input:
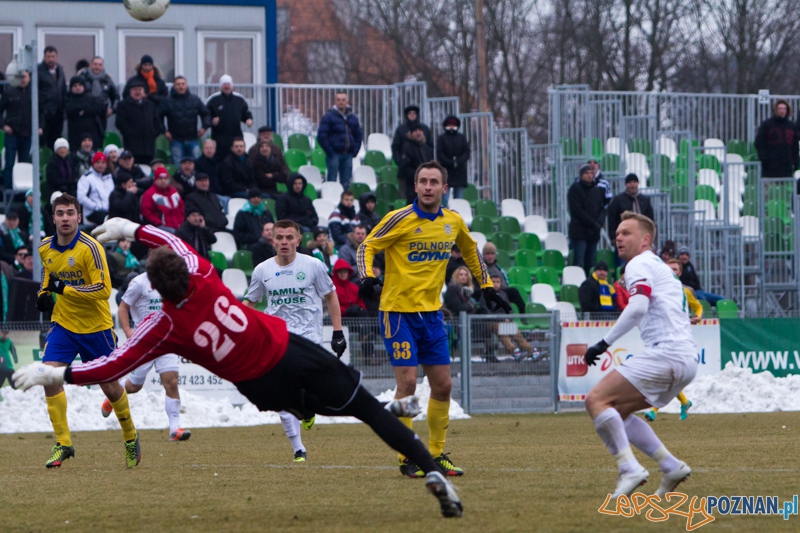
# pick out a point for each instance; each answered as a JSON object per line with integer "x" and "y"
{"x": 173, "y": 408}
{"x": 611, "y": 430}
{"x": 291, "y": 425}
{"x": 641, "y": 435}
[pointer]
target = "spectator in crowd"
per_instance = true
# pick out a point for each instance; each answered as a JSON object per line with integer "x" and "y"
{"x": 58, "y": 172}
{"x": 350, "y": 303}
{"x": 695, "y": 307}
{"x": 595, "y": 293}
{"x": 94, "y": 190}
{"x": 453, "y": 152}
{"x": 601, "y": 182}
{"x": 587, "y": 210}
{"x": 182, "y": 110}
{"x": 236, "y": 172}
{"x": 15, "y": 117}
{"x": 98, "y": 83}
{"x": 343, "y": 219}
{"x": 148, "y": 76}
{"x": 125, "y": 260}
{"x": 776, "y": 143}
{"x": 266, "y": 134}
{"x": 340, "y": 136}
{"x": 124, "y": 199}
{"x": 7, "y": 352}
{"x": 321, "y": 247}
{"x": 629, "y": 200}
{"x": 81, "y": 159}
{"x": 139, "y": 123}
{"x": 85, "y": 114}
{"x": 622, "y": 291}
{"x": 367, "y": 216}
{"x": 456, "y": 260}
{"x": 401, "y": 134}
{"x": 208, "y": 164}
{"x": 268, "y": 169}
{"x": 515, "y": 344}
{"x": 26, "y": 272}
{"x": 126, "y": 163}
{"x": 690, "y": 278}
{"x": 111, "y": 151}
{"x": 461, "y": 294}
{"x": 162, "y": 206}
{"x": 296, "y": 206}
{"x": 19, "y": 255}
{"x": 184, "y": 178}
{"x": 46, "y": 226}
{"x": 490, "y": 259}
{"x": 228, "y": 110}
{"x": 194, "y": 231}
{"x": 415, "y": 151}
{"x": 13, "y": 236}
{"x": 81, "y": 65}
{"x": 207, "y": 203}
{"x": 250, "y": 220}
{"x": 667, "y": 251}
{"x": 52, "y": 94}
{"x": 263, "y": 248}
{"x": 354, "y": 240}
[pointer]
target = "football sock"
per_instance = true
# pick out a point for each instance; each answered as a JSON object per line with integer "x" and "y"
{"x": 611, "y": 430}
{"x": 655, "y": 409}
{"x": 123, "y": 412}
{"x": 57, "y": 409}
{"x": 173, "y": 408}
{"x": 641, "y": 435}
{"x": 409, "y": 423}
{"x": 682, "y": 398}
{"x": 438, "y": 421}
{"x": 291, "y": 426}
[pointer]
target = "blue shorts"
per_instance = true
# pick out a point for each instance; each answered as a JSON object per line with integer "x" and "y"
{"x": 62, "y": 345}
{"x": 413, "y": 339}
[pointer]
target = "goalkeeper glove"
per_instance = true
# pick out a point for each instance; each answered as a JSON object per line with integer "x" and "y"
{"x": 594, "y": 352}
{"x": 38, "y": 374}
{"x": 491, "y": 295}
{"x": 115, "y": 228}
{"x": 338, "y": 343}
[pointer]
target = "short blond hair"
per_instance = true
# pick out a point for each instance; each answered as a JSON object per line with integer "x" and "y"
{"x": 647, "y": 226}
{"x": 676, "y": 262}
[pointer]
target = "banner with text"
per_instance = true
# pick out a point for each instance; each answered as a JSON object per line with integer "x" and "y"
{"x": 762, "y": 344}
{"x": 576, "y": 378}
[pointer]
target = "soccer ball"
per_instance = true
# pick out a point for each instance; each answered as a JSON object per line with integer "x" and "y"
{"x": 146, "y": 10}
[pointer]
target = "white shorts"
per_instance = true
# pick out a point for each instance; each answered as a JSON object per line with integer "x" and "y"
{"x": 165, "y": 363}
{"x": 660, "y": 373}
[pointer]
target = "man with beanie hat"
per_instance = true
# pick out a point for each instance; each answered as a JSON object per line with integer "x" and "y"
{"x": 59, "y": 173}
{"x": 94, "y": 190}
{"x": 52, "y": 93}
{"x": 85, "y": 113}
{"x": 228, "y": 110}
{"x": 236, "y": 171}
{"x": 15, "y": 104}
{"x": 124, "y": 200}
{"x": 139, "y": 122}
{"x": 195, "y": 232}
{"x": 294, "y": 205}
{"x": 629, "y": 200}
{"x": 412, "y": 120}
{"x": 162, "y": 206}
{"x": 148, "y": 76}
{"x": 250, "y": 220}
{"x": 776, "y": 143}
{"x": 596, "y": 294}
{"x": 587, "y": 214}
{"x": 99, "y": 84}
{"x": 81, "y": 158}
{"x": 207, "y": 202}
{"x": 453, "y": 152}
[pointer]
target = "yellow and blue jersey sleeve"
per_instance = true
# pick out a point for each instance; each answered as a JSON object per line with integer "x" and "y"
{"x": 417, "y": 250}
{"x": 82, "y": 265}
{"x": 695, "y": 306}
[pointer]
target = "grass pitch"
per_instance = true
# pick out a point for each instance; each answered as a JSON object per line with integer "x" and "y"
{"x": 523, "y": 473}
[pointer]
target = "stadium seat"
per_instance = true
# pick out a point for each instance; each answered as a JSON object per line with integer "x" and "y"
{"x": 374, "y": 159}
{"x": 733, "y": 212}
{"x": 530, "y": 241}
{"x": 750, "y": 229}
{"x": 705, "y": 192}
{"x": 388, "y": 174}
{"x": 509, "y": 225}
{"x": 294, "y": 159}
{"x": 236, "y": 281}
{"x": 312, "y": 175}
{"x": 359, "y": 188}
{"x": 234, "y": 205}
{"x": 382, "y": 207}
{"x": 573, "y": 275}
{"x": 400, "y": 203}
{"x": 727, "y": 309}
{"x": 715, "y": 147}
{"x": 556, "y": 240}
{"x": 22, "y": 176}
{"x": 781, "y": 192}
{"x": 542, "y": 293}
{"x": 569, "y": 293}
{"x": 527, "y": 259}
{"x": 366, "y": 174}
{"x": 487, "y": 208}
{"x": 593, "y": 147}
{"x": 687, "y": 145}
{"x": 301, "y": 142}
{"x": 667, "y": 147}
{"x": 710, "y": 162}
{"x": 615, "y": 146}
{"x": 641, "y": 146}
{"x": 270, "y": 204}
{"x": 548, "y": 275}
{"x": 331, "y": 190}
{"x": 511, "y": 207}
{"x": 461, "y": 207}
{"x": 520, "y": 276}
{"x": 569, "y": 147}
{"x": 250, "y": 140}
{"x": 707, "y": 176}
{"x": 636, "y": 163}
{"x": 277, "y": 140}
{"x": 567, "y": 312}
{"x": 502, "y": 258}
{"x": 679, "y": 194}
{"x": 708, "y": 311}
{"x": 387, "y": 192}
{"x": 218, "y": 259}
{"x": 225, "y": 244}
{"x": 146, "y": 170}
{"x": 479, "y": 238}
{"x": 775, "y": 208}
{"x": 738, "y": 147}
{"x": 503, "y": 241}
{"x": 380, "y": 142}
{"x": 707, "y": 208}
{"x": 243, "y": 260}
{"x": 318, "y": 159}
{"x": 112, "y": 137}
{"x": 605, "y": 255}
{"x": 471, "y": 194}
{"x": 553, "y": 259}
{"x": 483, "y": 224}
{"x": 535, "y": 224}
{"x": 311, "y": 192}
{"x": 46, "y": 153}
{"x": 162, "y": 148}
{"x": 610, "y": 163}
{"x": 662, "y": 165}
{"x": 542, "y": 322}
{"x": 324, "y": 207}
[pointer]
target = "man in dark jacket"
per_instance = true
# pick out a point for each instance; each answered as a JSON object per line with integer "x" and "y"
{"x": 415, "y": 152}
{"x": 185, "y": 176}
{"x": 268, "y": 169}
{"x": 295, "y": 205}
{"x": 453, "y": 152}
{"x": 194, "y": 231}
{"x": 412, "y": 120}
{"x": 139, "y": 123}
{"x": 52, "y": 93}
{"x": 228, "y": 110}
{"x": 266, "y": 134}
{"x": 587, "y": 214}
{"x": 126, "y": 163}
{"x": 236, "y": 172}
{"x": 98, "y": 83}
{"x": 343, "y": 219}
{"x": 367, "y": 216}
{"x": 690, "y": 278}
{"x": 630, "y": 200}
{"x": 123, "y": 200}
{"x": 207, "y": 164}
{"x": 12, "y": 236}
{"x": 340, "y": 136}
{"x": 182, "y": 109}
{"x": 155, "y": 88}
{"x": 85, "y": 114}
{"x": 207, "y": 203}
{"x": 263, "y": 248}
{"x": 15, "y": 104}
{"x": 250, "y": 220}
{"x": 596, "y": 295}
{"x": 776, "y": 142}
{"x": 81, "y": 157}
{"x": 59, "y": 173}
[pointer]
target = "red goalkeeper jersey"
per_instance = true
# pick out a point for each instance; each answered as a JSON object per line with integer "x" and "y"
{"x": 210, "y": 327}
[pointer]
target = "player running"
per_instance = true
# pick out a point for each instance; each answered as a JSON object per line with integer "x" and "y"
{"x": 74, "y": 267}
{"x": 417, "y": 240}
{"x": 141, "y": 299}
{"x": 652, "y": 378}
{"x": 294, "y": 285}
{"x": 202, "y": 321}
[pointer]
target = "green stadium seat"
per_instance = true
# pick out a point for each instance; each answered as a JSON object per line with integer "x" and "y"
{"x": 727, "y": 309}
{"x": 705, "y": 192}
{"x": 375, "y": 159}
{"x": 750, "y": 208}
{"x": 218, "y": 259}
{"x": 483, "y": 224}
{"x": 270, "y": 205}
{"x": 735, "y": 146}
{"x": 112, "y": 137}
{"x": 520, "y": 276}
{"x": 527, "y": 259}
{"x": 301, "y": 142}
{"x": 542, "y": 322}
{"x": 487, "y": 208}
{"x": 358, "y": 189}
{"x": 709, "y": 161}
{"x": 751, "y": 193}
{"x": 243, "y": 260}
{"x": 545, "y": 274}
{"x": 318, "y": 159}
{"x": 607, "y": 256}
{"x": 311, "y": 191}
{"x": 593, "y": 147}
{"x": 382, "y": 207}
{"x": 529, "y": 241}
{"x": 387, "y": 174}
{"x": 707, "y": 309}
{"x": 682, "y": 162}
{"x": 503, "y": 241}
{"x": 386, "y": 192}
{"x": 569, "y": 147}
{"x": 400, "y": 203}
{"x": 294, "y": 159}
{"x": 777, "y": 208}
{"x": 509, "y": 225}
{"x": 610, "y": 163}
{"x": 503, "y": 259}
{"x": 684, "y": 146}
{"x": 553, "y": 259}
{"x": 782, "y": 192}
{"x": 45, "y": 154}
{"x": 471, "y": 194}
{"x": 162, "y": 148}
{"x": 641, "y": 146}
{"x": 569, "y": 293}
{"x": 679, "y": 194}
{"x": 281, "y": 187}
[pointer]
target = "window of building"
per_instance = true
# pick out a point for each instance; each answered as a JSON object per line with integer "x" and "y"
{"x": 73, "y": 45}
{"x": 9, "y": 44}
{"x": 164, "y": 46}
{"x": 237, "y": 54}
{"x": 283, "y": 24}
{"x": 326, "y": 62}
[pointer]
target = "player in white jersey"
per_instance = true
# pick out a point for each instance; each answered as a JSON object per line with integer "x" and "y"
{"x": 294, "y": 285}
{"x": 141, "y": 299}
{"x": 652, "y": 378}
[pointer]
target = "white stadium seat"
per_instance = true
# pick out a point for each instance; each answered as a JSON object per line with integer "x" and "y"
{"x": 234, "y": 206}
{"x": 331, "y": 190}
{"x": 615, "y": 146}
{"x": 250, "y": 140}
{"x": 148, "y": 172}
{"x": 543, "y": 293}
{"x": 535, "y": 224}
{"x": 324, "y": 208}
{"x": 708, "y": 176}
{"x": 707, "y": 207}
{"x": 715, "y": 147}
{"x": 225, "y": 244}
{"x": 312, "y": 175}
{"x": 556, "y": 240}
{"x": 462, "y": 207}
{"x": 511, "y": 207}
{"x": 236, "y": 280}
{"x": 667, "y": 147}
{"x": 365, "y": 175}
{"x": 567, "y": 312}
{"x": 480, "y": 238}
{"x": 22, "y": 175}
{"x": 382, "y": 143}
{"x": 573, "y": 275}
{"x": 636, "y": 163}
{"x": 750, "y": 227}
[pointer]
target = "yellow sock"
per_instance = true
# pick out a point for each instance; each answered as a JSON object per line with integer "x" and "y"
{"x": 682, "y": 398}
{"x": 438, "y": 421}
{"x": 123, "y": 412}
{"x": 407, "y": 421}
{"x": 654, "y": 409}
{"x": 57, "y": 409}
